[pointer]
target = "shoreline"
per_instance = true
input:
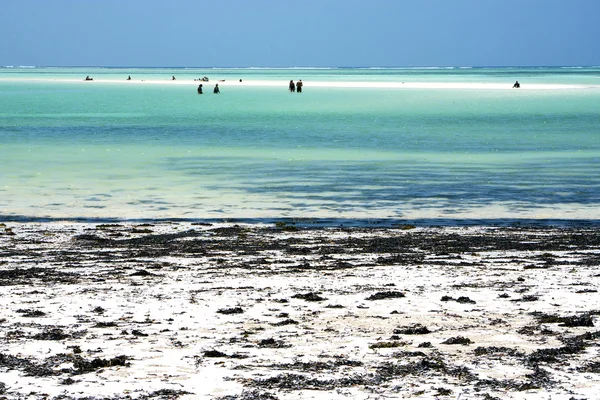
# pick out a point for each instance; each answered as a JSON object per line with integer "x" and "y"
{"x": 323, "y": 222}
{"x": 229, "y": 311}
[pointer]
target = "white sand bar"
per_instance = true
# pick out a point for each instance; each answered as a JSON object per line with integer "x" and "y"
{"x": 320, "y": 84}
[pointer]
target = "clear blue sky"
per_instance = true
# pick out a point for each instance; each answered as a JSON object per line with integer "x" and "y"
{"x": 229, "y": 33}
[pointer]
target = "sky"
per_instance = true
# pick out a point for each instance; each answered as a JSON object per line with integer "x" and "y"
{"x": 299, "y": 33}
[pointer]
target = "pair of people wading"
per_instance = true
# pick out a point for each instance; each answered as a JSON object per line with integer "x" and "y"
{"x": 296, "y": 87}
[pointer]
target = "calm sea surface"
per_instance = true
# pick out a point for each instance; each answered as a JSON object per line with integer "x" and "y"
{"x": 115, "y": 149}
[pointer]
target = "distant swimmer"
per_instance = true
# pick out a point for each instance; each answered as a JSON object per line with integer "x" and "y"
{"x": 299, "y": 85}
{"x": 87, "y": 78}
{"x": 200, "y": 89}
{"x": 292, "y": 86}
{"x": 517, "y": 85}
{"x": 216, "y": 89}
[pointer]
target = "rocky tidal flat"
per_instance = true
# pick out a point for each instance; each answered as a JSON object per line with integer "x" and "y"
{"x": 183, "y": 310}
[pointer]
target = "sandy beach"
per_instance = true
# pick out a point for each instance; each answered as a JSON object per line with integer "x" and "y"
{"x": 224, "y": 311}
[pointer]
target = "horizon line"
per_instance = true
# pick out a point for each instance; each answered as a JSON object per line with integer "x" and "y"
{"x": 304, "y": 67}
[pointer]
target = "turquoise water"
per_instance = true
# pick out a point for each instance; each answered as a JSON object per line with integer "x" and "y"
{"x": 111, "y": 149}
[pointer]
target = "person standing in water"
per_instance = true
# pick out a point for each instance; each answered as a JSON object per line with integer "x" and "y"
{"x": 299, "y": 86}
{"x": 200, "y": 89}
{"x": 292, "y": 86}
{"x": 216, "y": 89}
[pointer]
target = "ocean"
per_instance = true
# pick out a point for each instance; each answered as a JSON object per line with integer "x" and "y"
{"x": 355, "y": 148}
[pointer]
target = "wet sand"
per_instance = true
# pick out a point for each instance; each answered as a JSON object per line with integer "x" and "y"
{"x": 223, "y": 311}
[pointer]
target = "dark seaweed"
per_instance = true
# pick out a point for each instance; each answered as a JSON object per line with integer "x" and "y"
{"x": 214, "y": 354}
{"x": 458, "y": 340}
{"x": 229, "y": 311}
{"x": 31, "y": 313}
{"x": 461, "y": 299}
{"x": 251, "y": 395}
{"x": 311, "y": 296}
{"x": 412, "y": 330}
{"x": 386, "y": 295}
{"x": 569, "y": 321}
{"x": 83, "y": 366}
{"x": 52, "y": 334}
{"x": 272, "y": 343}
{"x": 496, "y": 351}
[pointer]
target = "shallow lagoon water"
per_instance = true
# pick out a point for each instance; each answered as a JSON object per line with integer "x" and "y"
{"x": 113, "y": 150}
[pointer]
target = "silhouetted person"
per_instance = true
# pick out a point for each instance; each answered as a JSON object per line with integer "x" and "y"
{"x": 216, "y": 89}
{"x": 517, "y": 85}
{"x": 129, "y": 78}
{"x": 299, "y": 86}
{"x": 200, "y": 89}
{"x": 292, "y": 86}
